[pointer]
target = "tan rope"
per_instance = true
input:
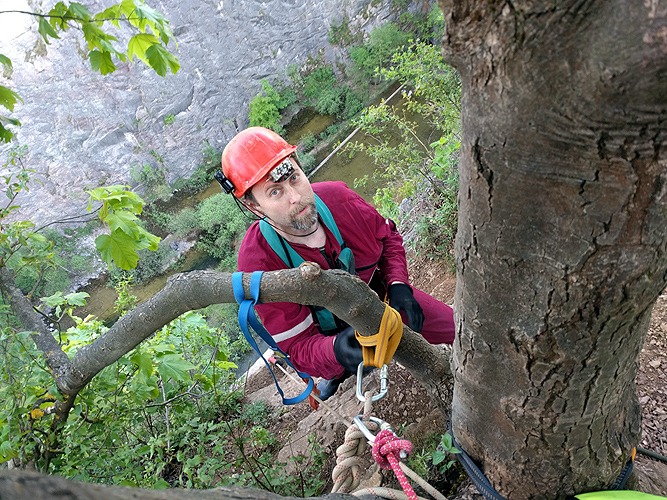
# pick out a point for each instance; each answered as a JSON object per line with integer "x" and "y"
{"x": 384, "y": 493}
{"x": 346, "y": 474}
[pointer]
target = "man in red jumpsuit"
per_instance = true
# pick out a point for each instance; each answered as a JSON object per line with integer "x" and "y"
{"x": 261, "y": 169}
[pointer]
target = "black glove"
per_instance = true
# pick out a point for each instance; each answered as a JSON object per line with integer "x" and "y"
{"x": 348, "y": 350}
{"x": 401, "y": 299}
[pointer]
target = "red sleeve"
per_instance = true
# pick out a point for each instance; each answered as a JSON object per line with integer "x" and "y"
{"x": 291, "y": 325}
{"x": 393, "y": 263}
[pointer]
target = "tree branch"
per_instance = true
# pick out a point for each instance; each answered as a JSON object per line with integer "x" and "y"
{"x": 56, "y": 358}
{"x": 346, "y": 296}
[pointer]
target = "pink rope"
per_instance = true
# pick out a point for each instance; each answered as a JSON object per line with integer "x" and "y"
{"x": 386, "y": 452}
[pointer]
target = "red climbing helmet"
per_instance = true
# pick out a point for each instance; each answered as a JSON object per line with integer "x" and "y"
{"x": 250, "y": 155}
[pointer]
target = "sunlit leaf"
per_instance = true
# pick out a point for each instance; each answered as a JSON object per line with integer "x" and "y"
{"x": 6, "y": 61}
{"x": 8, "y": 98}
{"x": 79, "y": 11}
{"x": 139, "y": 44}
{"x": 118, "y": 248}
{"x": 160, "y": 59}
{"x": 101, "y": 61}
{"x": 122, "y": 220}
{"x": 144, "y": 361}
{"x": 77, "y": 298}
{"x": 58, "y": 15}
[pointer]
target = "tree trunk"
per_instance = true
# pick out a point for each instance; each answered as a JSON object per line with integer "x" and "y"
{"x": 562, "y": 242}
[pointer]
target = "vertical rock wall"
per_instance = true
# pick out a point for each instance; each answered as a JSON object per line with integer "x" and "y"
{"x": 84, "y": 129}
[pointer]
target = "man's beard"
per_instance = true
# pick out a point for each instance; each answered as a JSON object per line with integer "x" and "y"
{"x": 306, "y": 221}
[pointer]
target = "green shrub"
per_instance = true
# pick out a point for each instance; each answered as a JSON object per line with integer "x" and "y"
{"x": 264, "y": 113}
{"x": 307, "y": 141}
{"x": 341, "y": 34}
{"x": 376, "y": 52}
{"x": 222, "y": 225}
{"x": 322, "y": 92}
{"x": 307, "y": 161}
{"x": 184, "y": 223}
{"x": 266, "y": 106}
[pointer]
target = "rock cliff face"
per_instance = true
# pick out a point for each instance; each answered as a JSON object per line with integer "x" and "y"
{"x": 84, "y": 129}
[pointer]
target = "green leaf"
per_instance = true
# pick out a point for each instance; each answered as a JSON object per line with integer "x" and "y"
{"x": 5, "y": 134}
{"x": 175, "y": 367}
{"x": 161, "y": 484}
{"x": 139, "y": 44}
{"x": 79, "y": 11}
{"x": 46, "y": 30}
{"x": 112, "y": 13}
{"x": 57, "y": 15}
{"x": 101, "y": 61}
{"x": 438, "y": 457}
{"x": 159, "y": 58}
{"x": 124, "y": 221}
{"x": 118, "y": 248}
{"x": 77, "y": 298}
{"x": 53, "y": 300}
{"x": 148, "y": 240}
{"x": 8, "y": 98}
{"x": 6, "y": 61}
{"x": 144, "y": 362}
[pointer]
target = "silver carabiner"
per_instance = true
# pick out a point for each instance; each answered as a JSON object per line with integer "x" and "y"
{"x": 384, "y": 383}
{"x": 365, "y": 431}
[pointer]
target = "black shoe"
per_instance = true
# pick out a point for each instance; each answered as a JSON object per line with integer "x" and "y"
{"x": 329, "y": 387}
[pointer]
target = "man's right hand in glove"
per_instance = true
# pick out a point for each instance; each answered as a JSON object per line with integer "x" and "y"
{"x": 348, "y": 350}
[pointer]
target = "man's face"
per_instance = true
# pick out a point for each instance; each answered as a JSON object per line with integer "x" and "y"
{"x": 289, "y": 203}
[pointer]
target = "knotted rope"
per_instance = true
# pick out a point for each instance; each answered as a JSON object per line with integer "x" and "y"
{"x": 387, "y": 449}
{"x": 350, "y": 465}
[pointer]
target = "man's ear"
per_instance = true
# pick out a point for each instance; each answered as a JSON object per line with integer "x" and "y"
{"x": 253, "y": 207}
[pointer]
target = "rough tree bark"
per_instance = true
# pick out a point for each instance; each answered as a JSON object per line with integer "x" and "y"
{"x": 22, "y": 485}
{"x": 562, "y": 243}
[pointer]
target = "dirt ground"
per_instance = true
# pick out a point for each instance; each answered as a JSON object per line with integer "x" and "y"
{"x": 411, "y": 413}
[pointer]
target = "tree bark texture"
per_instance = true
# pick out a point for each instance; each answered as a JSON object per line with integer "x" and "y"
{"x": 22, "y": 485}
{"x": 562, "y": 242}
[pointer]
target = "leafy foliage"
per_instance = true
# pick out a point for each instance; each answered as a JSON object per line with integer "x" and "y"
{"x": 148, "y": 44}
{"x": 119, "y": 211}
{"x": 222, "y": 226}
{"x": 377, "y": 52}
{"x": 408, "y": 161}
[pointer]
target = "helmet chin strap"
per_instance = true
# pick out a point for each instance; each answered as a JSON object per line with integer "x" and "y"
{"x": 267, "y": 219}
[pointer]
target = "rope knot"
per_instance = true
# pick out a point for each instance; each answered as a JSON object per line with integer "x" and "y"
{"x": 387, "y": 449}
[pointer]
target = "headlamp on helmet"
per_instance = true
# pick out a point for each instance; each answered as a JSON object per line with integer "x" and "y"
{"x": 282, "y": 171}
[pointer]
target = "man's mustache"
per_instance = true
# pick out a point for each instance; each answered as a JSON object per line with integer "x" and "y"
{"x": 298, "y": 210}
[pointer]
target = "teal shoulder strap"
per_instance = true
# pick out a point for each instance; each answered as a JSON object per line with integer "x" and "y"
{"x": 284, "y": 250}
{"x": 328, "y": 219}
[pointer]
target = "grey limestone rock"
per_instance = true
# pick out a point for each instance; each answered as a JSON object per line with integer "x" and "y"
{"x": 84, "y": 129}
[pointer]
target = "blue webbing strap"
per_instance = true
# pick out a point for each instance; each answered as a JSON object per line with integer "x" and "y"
{"x": 247, "y": 317}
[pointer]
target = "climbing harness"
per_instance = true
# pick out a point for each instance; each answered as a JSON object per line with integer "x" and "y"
{"x": 247, "y": 318}
{"x": 292, "y": 259}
